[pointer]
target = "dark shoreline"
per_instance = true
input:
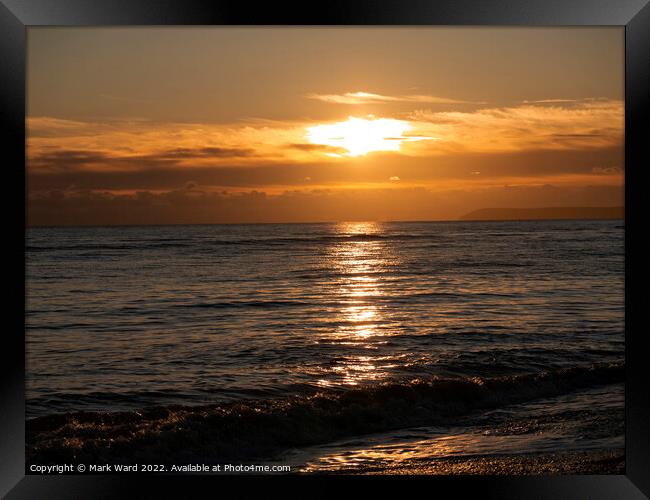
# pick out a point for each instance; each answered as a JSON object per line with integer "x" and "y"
{"x": 257, "y": 429}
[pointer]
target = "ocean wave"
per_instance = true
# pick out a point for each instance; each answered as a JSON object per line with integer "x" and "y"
{"x": 254, "y": 429}
{"x": 264, "y": 304}
{"x": 206, "y": 243}
{"x": 82, "y": 247}
{"x": 433, "y": 240}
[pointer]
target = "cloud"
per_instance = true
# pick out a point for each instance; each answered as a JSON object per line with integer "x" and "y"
{"x": 60, "y": 160}
{"x": 317, "y": 148}
{"x": 141, "y": 171}
{"x": 57, "y": 144}
{"x": 185, "y": 205}
{"x": 145, "y": 143}
{"x": 565, "y": 101}
{"x": 208, "y": 152}
{"x": 356, "y": 98}
{"x": 606, "y": 170}
{"x": 123, "y": 175}
{"x": 586, "y": 124}
{"x": 74, "y": 160}
{"x": 550, "y": 101}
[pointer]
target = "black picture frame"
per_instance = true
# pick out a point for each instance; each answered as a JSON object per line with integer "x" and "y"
{"x": 17, "y": 15}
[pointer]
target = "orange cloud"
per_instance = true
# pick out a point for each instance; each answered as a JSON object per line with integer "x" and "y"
{"x": 355, "y": 98}
{"x": 587, "y": 124}
{"x": 124, "y": 145}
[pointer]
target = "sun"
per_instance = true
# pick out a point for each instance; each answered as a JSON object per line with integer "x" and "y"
{"x": 360, "y": 136}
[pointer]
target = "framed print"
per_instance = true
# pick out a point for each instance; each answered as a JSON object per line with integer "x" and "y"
{"x": 370, "y": 243}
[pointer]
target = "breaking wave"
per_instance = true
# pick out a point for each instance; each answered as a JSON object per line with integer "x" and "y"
{"x": 255, "y": 429}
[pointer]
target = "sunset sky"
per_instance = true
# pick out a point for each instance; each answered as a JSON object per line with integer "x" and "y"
{"x": 201, "y": 125}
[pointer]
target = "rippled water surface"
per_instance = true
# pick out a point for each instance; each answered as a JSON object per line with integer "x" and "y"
{"x": 125, "y": 317}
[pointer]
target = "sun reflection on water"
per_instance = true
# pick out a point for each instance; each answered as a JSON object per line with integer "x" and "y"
{"x": 396, "y": 452}
{"x": 359, "y": 257}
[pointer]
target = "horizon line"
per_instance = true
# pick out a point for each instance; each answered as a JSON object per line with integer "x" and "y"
{"x": 348, "y": 221}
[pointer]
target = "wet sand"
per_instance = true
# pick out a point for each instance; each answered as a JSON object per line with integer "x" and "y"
{"x": 577, "y": 462}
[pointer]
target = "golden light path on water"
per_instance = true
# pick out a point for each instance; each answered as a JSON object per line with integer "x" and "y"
{"x": 391, "y": 453}
{"x": 359, "y": 320}
{"x": 394, "y": 451}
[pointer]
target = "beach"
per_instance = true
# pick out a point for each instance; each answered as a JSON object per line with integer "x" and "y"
{"x": 593, "y": 462}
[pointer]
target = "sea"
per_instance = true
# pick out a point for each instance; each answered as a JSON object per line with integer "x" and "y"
{"x": 387, "y": 341}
